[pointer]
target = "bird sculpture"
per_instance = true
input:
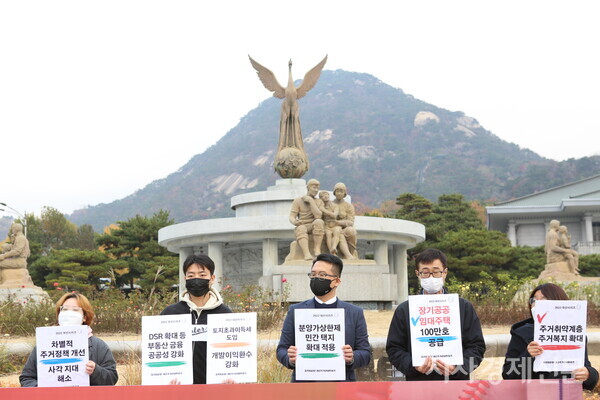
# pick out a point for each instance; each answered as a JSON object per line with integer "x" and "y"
{"x": 291, "y": 160}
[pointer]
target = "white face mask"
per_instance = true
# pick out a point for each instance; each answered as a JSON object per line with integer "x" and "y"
{"x": 432, "y": 285}
{"x": 70, "y": 318}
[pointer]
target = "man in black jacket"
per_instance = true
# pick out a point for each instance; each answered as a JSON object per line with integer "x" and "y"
{"x": 199, "y": 300}
{"x": 432, "y": 270}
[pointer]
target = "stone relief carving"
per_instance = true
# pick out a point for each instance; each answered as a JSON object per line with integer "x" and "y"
{"x": 242, "y": 264}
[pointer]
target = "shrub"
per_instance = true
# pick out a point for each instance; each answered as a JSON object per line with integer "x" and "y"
{"x": 132, "y": 368}
{"x": 115, "y": 312}
{"x": 118, "y": 312}
{"x": 590, "y": 265}
{"x": 10, "y": 363}
{"x": 498, "y": 292}
{"x": 270, "y": 306}
{"x": 269, "y": 369}
{"x": 21, "y": 319}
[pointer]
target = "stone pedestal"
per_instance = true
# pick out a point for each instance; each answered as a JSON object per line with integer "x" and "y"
{"x": 16, "y": 285}
{"x": 558, "y": 271}
{"x": 364, "y": 283}
{"x": 15, "y": 278}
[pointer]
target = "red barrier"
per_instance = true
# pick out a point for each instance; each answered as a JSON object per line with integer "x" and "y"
{"x": 459, "y": 390}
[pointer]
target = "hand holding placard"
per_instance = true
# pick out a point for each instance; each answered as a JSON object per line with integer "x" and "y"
{"x": 292, "y": 354}
{"x": 534, "y": 349}
{"x": 426, "y": 367}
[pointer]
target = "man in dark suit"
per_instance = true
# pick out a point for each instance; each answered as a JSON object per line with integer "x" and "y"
{"x": 325, "y": 277}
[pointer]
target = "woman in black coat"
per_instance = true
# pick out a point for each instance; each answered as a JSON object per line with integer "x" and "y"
{"x": 75, "y": 309}
{"x": 518, "y": 362}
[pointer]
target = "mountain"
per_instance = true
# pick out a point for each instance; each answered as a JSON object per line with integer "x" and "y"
{"x": 358, "y": 130}
{"x": 5, "y": 224}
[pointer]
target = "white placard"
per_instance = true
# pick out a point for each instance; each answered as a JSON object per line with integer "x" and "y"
{"x": 62, "y": 352}
{"x": 559, "y": 327}
{"x": 320, "y": 336}
{"x": 435, "y": 328}
{"x": 167, "y": 349}
{"x": 231, "y": 350}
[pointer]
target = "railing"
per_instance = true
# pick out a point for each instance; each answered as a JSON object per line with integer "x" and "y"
{"x": 586, "y": 248}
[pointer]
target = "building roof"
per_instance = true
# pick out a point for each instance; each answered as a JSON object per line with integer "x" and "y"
{"x": 572, "y": 199}
{"x": 585, "y": 188}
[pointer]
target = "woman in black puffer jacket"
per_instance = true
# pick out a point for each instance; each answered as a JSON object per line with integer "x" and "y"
{"x": 518, "y": 362}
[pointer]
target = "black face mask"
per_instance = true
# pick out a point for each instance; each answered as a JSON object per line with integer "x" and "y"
{"x": 197, "y": 287}
{"x": 320, "y": 287}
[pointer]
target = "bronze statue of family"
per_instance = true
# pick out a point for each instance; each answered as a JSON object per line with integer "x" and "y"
{"x": 320, "y": 221}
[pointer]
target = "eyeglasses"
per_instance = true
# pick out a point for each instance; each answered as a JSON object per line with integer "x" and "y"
{"x": 435, "y": 274}
{"x": 67, "y": 308}
{"x": 320, "y": 275}
{"x": 533, "y": 300}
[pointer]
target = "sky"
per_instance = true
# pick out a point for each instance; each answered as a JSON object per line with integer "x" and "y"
{"x": 99, "y": 99}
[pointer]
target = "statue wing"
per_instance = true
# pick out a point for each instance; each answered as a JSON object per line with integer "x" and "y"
{"x": 310, "y": 79}
{"x": 268, "y": 79}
